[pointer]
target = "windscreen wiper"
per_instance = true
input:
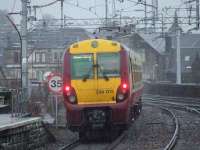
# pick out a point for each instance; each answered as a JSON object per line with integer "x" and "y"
{"x": 103, "y": 73}
{"x": 86, "y": 76}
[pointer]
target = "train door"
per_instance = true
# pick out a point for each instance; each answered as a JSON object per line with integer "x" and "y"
{"x": 108, "y": 76}
{"x": 83, "y": 77}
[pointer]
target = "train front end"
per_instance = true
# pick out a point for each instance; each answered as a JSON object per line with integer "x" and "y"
{"x": 96, "y": 85}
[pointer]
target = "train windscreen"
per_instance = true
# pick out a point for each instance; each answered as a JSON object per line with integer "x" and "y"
{"x": 109, "y": 64}
{"x": 82, "y": 66}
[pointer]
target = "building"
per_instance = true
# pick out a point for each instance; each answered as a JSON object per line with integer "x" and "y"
{"x": 45, "y": 52}
{"x": 151, "y": 47}
{"x": 190, "y": 48}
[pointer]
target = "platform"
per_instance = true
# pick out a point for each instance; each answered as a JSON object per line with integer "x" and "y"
{"x": 21, "y": 133}
{"x": 4, "y": 109}
{"x": 8, "y": 122}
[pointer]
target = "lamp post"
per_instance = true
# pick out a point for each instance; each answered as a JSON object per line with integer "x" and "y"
{"x": 178, "y": 57}
{"x": 24, "y": 61}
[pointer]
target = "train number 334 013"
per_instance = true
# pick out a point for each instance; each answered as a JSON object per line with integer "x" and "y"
{"x": 102, "y": 91}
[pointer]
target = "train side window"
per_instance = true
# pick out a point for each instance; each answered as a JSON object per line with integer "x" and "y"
{"x": 129, "y": 66}
{"x": 131, "y": 69}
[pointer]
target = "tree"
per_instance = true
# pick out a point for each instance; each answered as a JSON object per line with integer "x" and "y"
{"x": 196, "y": 69}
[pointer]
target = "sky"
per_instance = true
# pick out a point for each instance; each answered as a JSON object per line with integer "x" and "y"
{"x": 76, "y": 12}
{"x": 87, "y": 8}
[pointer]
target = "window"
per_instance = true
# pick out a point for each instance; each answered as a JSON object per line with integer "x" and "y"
{"x": 40, "y": 57}
{"x": 188, "y": 67}
{"x": 16, "y": 57}
{"x": 82, "y": 66}
{"x": 61, "y": 56}
{"x": 43, "y": 57}
{"x": 37, "y": 57}
{"x": 187, "y": 58}
{"x": 55, "y": 57}
{"x": 109, "y": 64}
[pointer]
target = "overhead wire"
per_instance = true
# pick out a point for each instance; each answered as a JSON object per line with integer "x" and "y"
{"x": 46, "y": 5}
{"x": 83, "y": 8}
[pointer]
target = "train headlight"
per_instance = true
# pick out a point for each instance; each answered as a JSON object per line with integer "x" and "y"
{"x": 122, "y": 92}
{"x": 70, "y": 94}
{"x": 120, "y": 97}
{"x": 72, "y": 99}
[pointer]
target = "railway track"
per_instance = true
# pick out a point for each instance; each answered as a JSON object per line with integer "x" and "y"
{"x": 174, "y": 138}
{"x": 189, "y": 117}
{"x": 159, "y": 132}
{"x": 187, "y": 104}
{"x": 164, "y": 124}
{"x": 103, "y": 146}
{"x": 118, "y": 143}
{"x": 71, "y": 145}
{"x": 182, "y": 100}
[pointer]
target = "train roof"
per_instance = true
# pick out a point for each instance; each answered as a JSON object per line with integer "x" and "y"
{"x": 102, "y": 45}
{"x": 95, "y": 45}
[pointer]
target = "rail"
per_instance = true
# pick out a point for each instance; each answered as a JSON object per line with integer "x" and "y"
{"x": 71, "y": 145}
{"x": 174, "y": 138}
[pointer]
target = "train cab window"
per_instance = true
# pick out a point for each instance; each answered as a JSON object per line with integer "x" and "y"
{"x": 109, "y": 64}
{"x": 82, "y": 66}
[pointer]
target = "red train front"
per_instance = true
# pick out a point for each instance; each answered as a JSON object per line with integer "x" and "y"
{"x": 102, "y": 85}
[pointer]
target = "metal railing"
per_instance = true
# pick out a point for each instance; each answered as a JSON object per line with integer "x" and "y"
{"x": 18, "y": 107}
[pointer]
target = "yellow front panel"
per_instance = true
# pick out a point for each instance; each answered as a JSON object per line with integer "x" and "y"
{"x": 95, "y": 91}
{"x": 107, "y": 89}
{"x": 85, "y": 90}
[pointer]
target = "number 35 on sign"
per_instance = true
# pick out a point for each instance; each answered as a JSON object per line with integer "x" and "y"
{"x": 55, "y": 83}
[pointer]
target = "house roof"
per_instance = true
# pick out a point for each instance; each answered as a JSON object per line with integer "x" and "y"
{"x": 46, "y": 38}
{"x": 43, "y": 38}
{"x": 155, "y": 40}
{"x": 187, "y": 41}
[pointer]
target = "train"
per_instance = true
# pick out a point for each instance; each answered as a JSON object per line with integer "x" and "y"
{"x": 102, "y": 85}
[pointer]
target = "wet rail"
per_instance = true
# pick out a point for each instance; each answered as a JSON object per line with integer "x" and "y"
{"x": 116, "y": 142}
{"x": 71, "y": 145}
{"x": 162, "y": 129}
{"x": 188, "y": 115}
{"x": 174, "y": 138}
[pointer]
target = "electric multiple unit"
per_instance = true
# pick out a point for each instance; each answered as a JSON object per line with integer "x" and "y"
{"x": 102, "y": 85}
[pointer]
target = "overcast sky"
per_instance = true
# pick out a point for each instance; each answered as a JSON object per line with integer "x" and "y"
{"x": 76, "y": 12}
{"x": 89, "y": 8}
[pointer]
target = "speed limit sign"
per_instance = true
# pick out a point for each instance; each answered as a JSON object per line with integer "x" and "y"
{"x": 55, "y": 83}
